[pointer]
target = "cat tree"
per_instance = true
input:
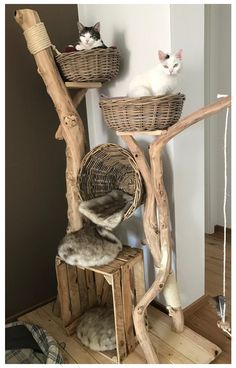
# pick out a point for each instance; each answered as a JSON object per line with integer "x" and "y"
{"x": 159, "y": 238}
{"x": 157, "y": 231}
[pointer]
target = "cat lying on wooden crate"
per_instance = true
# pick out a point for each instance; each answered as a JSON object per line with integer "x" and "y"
{"x": 95, "y": 244}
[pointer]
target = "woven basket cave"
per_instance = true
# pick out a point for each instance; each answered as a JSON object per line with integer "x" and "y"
{"x": 95, "y": 65}
{"x": 107, "y": 167}
{"x": 143, "y": 113}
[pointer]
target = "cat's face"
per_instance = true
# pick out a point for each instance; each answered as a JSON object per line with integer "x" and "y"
{"x": 171, "y": 64}
{"x": 89, "y": 35}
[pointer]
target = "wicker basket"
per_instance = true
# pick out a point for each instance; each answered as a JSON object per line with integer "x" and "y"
{"x": 96, "y": 65}
{"x": 107, "y": 167}
{"x": 143, "y": 113}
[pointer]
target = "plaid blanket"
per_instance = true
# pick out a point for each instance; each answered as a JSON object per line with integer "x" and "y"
{"x": 50, "y": 351}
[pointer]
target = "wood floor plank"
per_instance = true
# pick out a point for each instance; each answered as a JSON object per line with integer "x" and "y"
{"x": 186, "y": 348}
{"x": 72, "y": 347}
{"x": 204, "y": 321}
{"x": 191, "y": 345}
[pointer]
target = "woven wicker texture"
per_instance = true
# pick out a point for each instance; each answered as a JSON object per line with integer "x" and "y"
{"x": 96, "y": 65}
{"x": 143, "y": 113}
{"x": 107, "y": 167}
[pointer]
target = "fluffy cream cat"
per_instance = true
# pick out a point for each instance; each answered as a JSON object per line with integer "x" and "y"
{"x": 160, "y": 80}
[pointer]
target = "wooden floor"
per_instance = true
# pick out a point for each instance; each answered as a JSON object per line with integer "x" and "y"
{"x": 191, "y": 348}
{"x": 185, "y": 348}
{"x": 204, "y": 320}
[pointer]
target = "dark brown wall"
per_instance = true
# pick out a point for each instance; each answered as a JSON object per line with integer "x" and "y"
{"x": 35, "y": 164}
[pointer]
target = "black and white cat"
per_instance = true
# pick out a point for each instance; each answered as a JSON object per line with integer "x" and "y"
{"x": 160, "y": 80}
{"x": 89, "y": 37}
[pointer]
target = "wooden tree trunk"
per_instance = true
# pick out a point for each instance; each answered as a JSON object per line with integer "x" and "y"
{"x": 159, "y": 238}
{"x": 149, "y": 216}
{"x": 172, "y": 298}
{"x": 161, "y": 255}
{"x": 71, "y": 126}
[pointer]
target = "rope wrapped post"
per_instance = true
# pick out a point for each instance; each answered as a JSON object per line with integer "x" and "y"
{"x": 71, "y": 125}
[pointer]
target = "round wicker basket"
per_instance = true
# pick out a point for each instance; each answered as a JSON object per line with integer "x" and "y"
{"x": 143, "y": 113}
{"x": 107, "y": 167}
{"x": 95, "y": 65}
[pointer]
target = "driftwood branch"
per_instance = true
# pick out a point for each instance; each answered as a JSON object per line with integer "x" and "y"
{"x": 165, "y": 234}
{"x": 71, "y": 126}
{"x": 194, "y": 118}
{"x": 155, "y": 193}
{"x": 149, "y": 216}
{"x": 159, "y": 239}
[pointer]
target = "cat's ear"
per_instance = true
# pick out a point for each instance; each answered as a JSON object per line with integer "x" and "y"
{"x": 162, "y": 55}
{"x": 97, "y": 27}
{"x": 80, "y": 27}
{"x": 179, "y": 54}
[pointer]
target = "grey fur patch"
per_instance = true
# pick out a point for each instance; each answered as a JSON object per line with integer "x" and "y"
{"x": 108, "y": 210}
{"x": 89, "y": 246}
{"x": 96, "y": 329}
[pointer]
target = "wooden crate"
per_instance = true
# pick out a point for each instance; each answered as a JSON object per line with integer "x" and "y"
{"x": 120, "y": 283}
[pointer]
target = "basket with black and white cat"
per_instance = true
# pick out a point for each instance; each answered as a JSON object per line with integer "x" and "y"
{"x": 89, "y": 59}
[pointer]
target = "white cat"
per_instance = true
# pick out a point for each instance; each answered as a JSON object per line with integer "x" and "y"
{"x": 160, "y": 80}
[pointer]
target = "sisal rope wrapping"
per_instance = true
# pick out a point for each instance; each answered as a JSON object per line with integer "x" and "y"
{"x": 37, "y": 38}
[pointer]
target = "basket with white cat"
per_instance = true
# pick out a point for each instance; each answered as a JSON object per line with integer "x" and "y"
{"x": 95, "y": 65}
{"x": 150, "y": 113}
{"x": 108, "y": 167}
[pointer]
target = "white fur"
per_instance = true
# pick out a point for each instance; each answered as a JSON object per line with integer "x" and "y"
{"x": 161, "y": 80}
{"x": 88, "y": 43}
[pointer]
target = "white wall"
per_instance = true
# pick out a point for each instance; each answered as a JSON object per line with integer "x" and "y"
{"x": 218, "y": 80}
{"x": 187, "y": 31}
{"x": 139, "y": 31}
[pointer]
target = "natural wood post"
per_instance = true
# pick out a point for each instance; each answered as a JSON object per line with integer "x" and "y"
{"x": 71, "y": 126}
{"x": 193, "y": 118}
{"x": 175, "y": 310}
{"x": 159, "y": 240}
{"x": 161, "y": 256}
{"x": 149, "y": 216}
